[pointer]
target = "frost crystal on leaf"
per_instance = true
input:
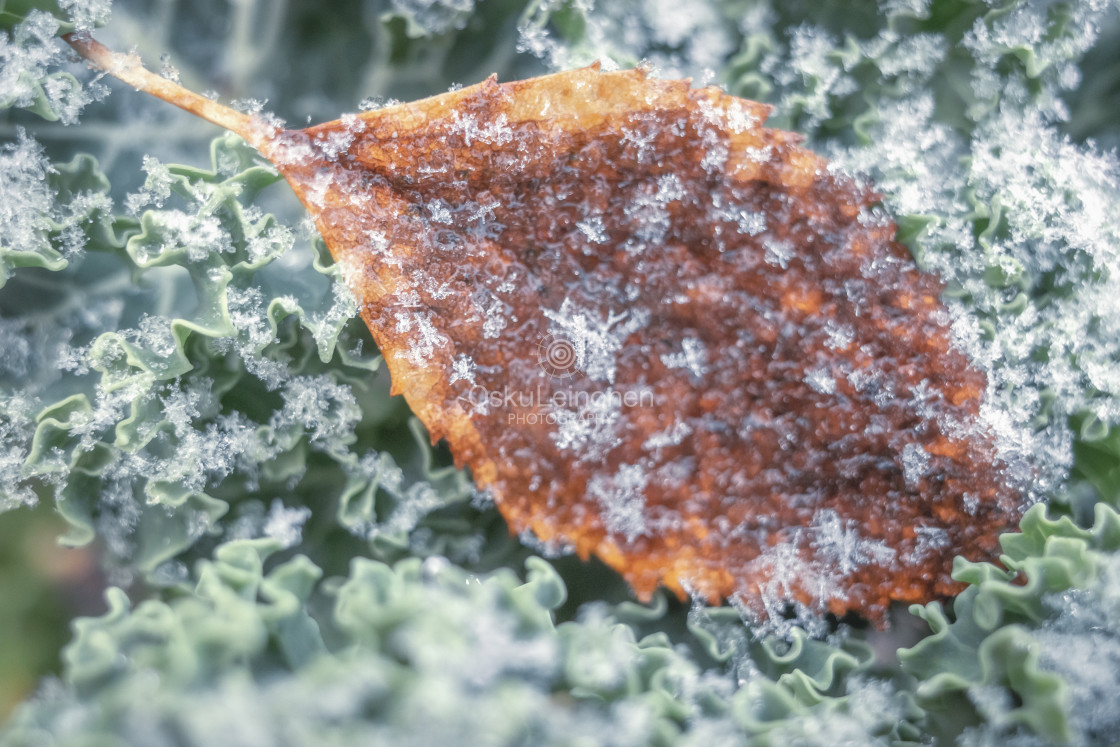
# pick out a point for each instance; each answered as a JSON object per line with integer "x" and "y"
{"x": 29, "y": 57}
{"x": 286, "y": 524}
{"x": 1081, "y": 644}
{"x": 464, "y": 370}
{"x": 86, "y": 14}
{"x": 156, "y": 189}
{"x": 595, "y": 338}
{"x": 587, "y": 431}
{"x": 821, "y": 381}
{"x": 593, "y": 228}
{"x": 675, "y": 40}
{"x": 693, "y": 356}
{"x": 915, "y": 463}
{"x": 25, "y": 199}
{"x": 623, "y": 498}
{"x": 841, "y": 547}
{"x": 16, "y": 432}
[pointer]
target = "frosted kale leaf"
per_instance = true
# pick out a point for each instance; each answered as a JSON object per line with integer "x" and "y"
{"x": 16, "y": 431}
{"x": 182, "y": 427}
{"x": 258, "y": 651}
{"x": 242, "y": 649}
{"x": 1034, "y": 657}
{"x": 50, "y": 215}
{"x": 47, "y": 211}
{"x": 676, "y": 40}
{"x": 67, "y": 14}
{"x": 805, "y": 690}
{"x": 31, "y": 57}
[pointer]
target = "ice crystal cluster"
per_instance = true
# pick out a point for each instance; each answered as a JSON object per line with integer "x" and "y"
{"x": 184, "y": 381}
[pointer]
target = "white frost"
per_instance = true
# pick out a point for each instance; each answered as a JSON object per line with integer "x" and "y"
{"x": 596, "y": 340}
{"x": 286, "y": 524}
{"x": 915, "y": 463}
{"x": 821, "y": 380}
{"x": 693, "y": 357}
{"x": 840, "y": 545}
{"x": 622, "y": 497}
{"x": 594, "y": 229}
{"x": 462, "y": 369}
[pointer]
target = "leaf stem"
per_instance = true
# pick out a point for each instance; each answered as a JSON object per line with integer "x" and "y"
{"x": 129, "y": 69}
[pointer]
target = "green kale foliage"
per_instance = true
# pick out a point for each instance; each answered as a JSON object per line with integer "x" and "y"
{"x": 183, "y": 379}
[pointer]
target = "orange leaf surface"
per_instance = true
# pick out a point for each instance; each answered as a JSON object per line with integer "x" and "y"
{"x": 658, "y": 332}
